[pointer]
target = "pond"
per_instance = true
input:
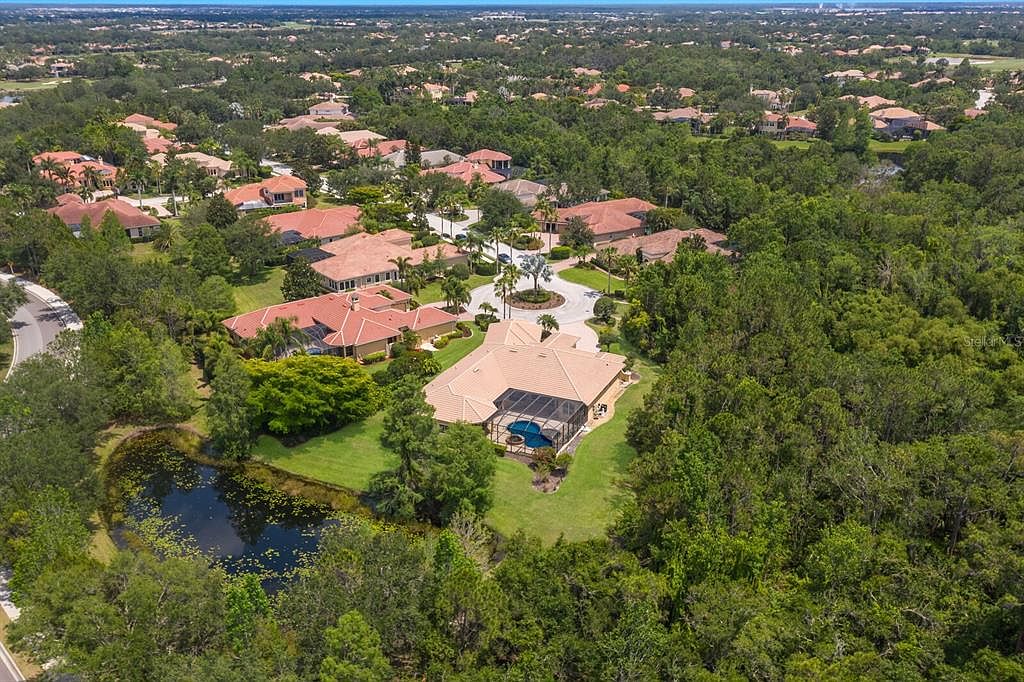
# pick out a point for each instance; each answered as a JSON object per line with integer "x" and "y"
{"x": 158, "y": 493}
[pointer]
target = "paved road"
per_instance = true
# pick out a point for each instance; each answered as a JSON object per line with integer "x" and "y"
{"x": 8, "y": 668}
{"x": 37, "y": 323}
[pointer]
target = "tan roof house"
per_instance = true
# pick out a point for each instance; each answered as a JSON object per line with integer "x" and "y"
{"x": 609, "y": 220}
{"x": 73, "y": 211}
{"x": 214, "y": 166}
{"x": 492, "y": 159}
{"x": 322, "y": 224}
{"x": 274, "y": 192}
{"x": 526, "y": 391}
{"x": 366, "y": 259}
{"x": 149, "y": 122}
{"x": 337, "y": 110}
{"x": 663, "y": 245}
{"x": 352, "y": 324}
{"x": 467, "y": 171}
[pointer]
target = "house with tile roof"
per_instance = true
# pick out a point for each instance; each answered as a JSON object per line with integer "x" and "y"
{"x": 609, "y": 220}
{"x": 526, "y": 191}
{"x": 467, "y": 171}
{"x": 214, "y": 166}
{"x": 274, "y": 192}
{"x": 79, "y": 167}
{"x": 898, "y": 122}
{"x": 663, "y": 245}
{"x": 526, "y": 390}
{"x": 366, "y": 259}
{"x": 323, "y": 225}
{"x": 334, "y": 110}
{"x": 74, "y": 211}
{"x": 490, "y": 158}
{"x": 149, "y": 122}
{"x": 352, "y": 324}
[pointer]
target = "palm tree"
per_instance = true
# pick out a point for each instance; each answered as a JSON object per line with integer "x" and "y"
{"x": 505, "y": 287}
{"x": 488, "y": 309}
{"x": 581, "y": 251}
{"x": 628, "y": 266}
{"x": 91, "y": 177}
{"x": 48, "y": 168}
{"x": 63, "y": 174}
{"x": 274, "y": 340}
{"x": 135, "y": 173}
{"x": 608, "y": 255}
{"x": 548, "y": 213}
{"x": 401, "y": 263}
{"x": 455, "y": 292}
{"x": 548, "y": 324}
{"x": 414, "y": 282}
{"x": 242, "y": 164}
{"x": 447, "y": 206}
{"x": 164, "y": 236}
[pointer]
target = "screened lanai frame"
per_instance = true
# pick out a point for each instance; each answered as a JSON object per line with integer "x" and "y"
{"x": 559, "y": 419}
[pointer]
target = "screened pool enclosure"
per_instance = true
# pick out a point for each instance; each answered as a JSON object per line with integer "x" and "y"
{"x": 526, "y": 421}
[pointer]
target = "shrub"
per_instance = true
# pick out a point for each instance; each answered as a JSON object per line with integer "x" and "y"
{"x": 499, "y": 450}
{"x": 464, "y": 329}
{"x": 441, "y": 342}
{"x": 419, "y": 364}
{"x": 604, "y": 309}
{"x": 560, "y": 252}
{"x": 484, "y": 321}
{"x": 371, "y": 358}
{"x": 460, "y": 271}
{"x": 487, "y": 268}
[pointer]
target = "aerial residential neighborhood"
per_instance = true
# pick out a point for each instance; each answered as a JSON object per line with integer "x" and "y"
{"x": 625, "y": 342}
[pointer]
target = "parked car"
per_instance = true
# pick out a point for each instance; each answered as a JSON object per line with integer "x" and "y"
{"x": 504, "y": 258}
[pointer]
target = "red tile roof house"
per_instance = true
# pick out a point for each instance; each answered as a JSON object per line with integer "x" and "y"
{"x": 467, "y": 171}
{"x": 663, "y": 245}
{"x": 274, "y": 192}
{"x": 323, "y": 225}
{"x": 76, "y": 164}
{"x": 150, "y": 122}
{"x": 72, "y": 210}
{"x": 381, "y": 148}
{"x": 365, "y": 259}
{"x": 352, "y": 324}
{"x": 900, "y": 122}
{"x": 610, "y": 220}
{"x": 492, "y": 159}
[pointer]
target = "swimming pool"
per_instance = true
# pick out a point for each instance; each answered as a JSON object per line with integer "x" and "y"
{"x": 530, "y": 431}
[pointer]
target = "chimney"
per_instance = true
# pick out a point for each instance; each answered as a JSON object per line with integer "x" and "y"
{"x": 354, "y": 299}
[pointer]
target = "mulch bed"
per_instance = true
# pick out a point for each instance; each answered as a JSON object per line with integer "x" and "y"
{"x": 555, "y": 301}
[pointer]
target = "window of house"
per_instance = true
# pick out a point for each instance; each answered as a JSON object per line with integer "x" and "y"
{"x": 299, "y": 192}
{"x": 278, "y": 197}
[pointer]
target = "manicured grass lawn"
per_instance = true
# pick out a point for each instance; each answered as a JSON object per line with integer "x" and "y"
{"x": 595, "y": 279}
{"x": 589, "y": 498}
{"x": 261, "y": 293}
{"x": 459, "y": 348}
{"x": 995, "y": 63}
{"x": 432, "y": 292}
{"x": 348, "y": 457}
{"x": 142, "y": 251}
{"x": 25, "y": 86}
{"x": 6, "y": 354}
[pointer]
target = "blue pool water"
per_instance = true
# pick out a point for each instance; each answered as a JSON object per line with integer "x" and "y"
{"x": 530, "y": 431}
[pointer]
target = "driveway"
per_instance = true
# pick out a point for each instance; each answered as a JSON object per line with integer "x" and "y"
{"x": 578, "y": 306}
{"x": 37, "y": 323}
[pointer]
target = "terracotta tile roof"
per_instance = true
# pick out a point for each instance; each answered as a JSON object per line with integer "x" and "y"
{"x": 875, "y": 101}
{"x": 893, "y": 113}
{"x": 373, "y": 319}
{"x": 72, "y": 213}
{"x": 974, "y": 113}
{"x": 253, "y": 191}
{"x": 382, "y": 148}
{"x": 63, "y": 158}
{"x": 304, "y": 121}
{"x": 318, "y": 223}
{"x": 801, "y": 124}
{"x": 686, "y": 92}
{"x": 466, "y": 171}
{"x": 680, "y": 114}
{"x": 365, "y": 254}
{"x": 512, "y": 356}
{"x": 157, "y": 145}
{"x": 662, "y": 245}
{"x": 604, "y": 217}
{"x": 150, "y": 122}
{"x": 485, "y": 155}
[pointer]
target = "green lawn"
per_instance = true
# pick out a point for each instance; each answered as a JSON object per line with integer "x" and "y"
{"x": 995, "y": 63}
{"x": 459, "y": 348}
{"x": 7, "y": 354}
{"x": 261, "y": 293}
{"x": 348, "y": 457}
{"x": 142, "y": 251}
{"x": 432, "y": 292}
{"x": 588, "y": 500}
{"x": 26, "y": 86}
{"x": 595, "y": 279}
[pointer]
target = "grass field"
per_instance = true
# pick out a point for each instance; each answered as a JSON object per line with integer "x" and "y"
{"x": 144, "y": 251}
{"x": 587, "y": 501}
{"x": 595, "y": 279}
{"x": 432, "y": 292}
{"x": 6, "y": 354}
{"x": 266, "y": 291}
{"x": 994, "y": 63}
{"x": 348, "y": 457}
{"x": 28, "y": 86}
